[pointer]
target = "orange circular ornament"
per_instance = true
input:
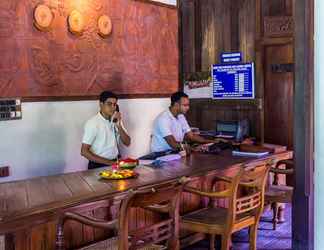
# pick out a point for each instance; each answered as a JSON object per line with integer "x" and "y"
{"x": 76, "y": 22}
{"x": 104, "y": 26}
{"x": 43, "y": 17}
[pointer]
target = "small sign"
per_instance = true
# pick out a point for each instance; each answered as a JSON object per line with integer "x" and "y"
{"x": 282, "y": 68}
{"x": 10, "y": 109}
{"x": 233, "y": 81}
{"x": 229, "y": 57}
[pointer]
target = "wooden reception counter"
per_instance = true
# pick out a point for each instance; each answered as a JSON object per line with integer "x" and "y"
{"x": 29, "y": 208}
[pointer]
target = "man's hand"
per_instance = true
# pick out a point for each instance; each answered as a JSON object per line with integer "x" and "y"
{"x": 116, "y": 118}
{"x": 217, "y": 140}
{"x": 185, "y": 149}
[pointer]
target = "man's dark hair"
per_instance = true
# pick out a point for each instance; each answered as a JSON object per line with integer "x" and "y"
{"x": 105, "y": 95}
{"x": 176, "y": 97}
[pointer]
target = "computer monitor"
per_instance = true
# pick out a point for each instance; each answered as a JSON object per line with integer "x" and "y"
{"x": 237, "y": 130}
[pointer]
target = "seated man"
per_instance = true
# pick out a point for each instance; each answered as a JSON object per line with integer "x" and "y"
{"x": 103, "y": 132}
{"x": 171, "y": 127}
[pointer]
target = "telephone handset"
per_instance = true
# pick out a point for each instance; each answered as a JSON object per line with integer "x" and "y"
{"x": 117, "y": 110}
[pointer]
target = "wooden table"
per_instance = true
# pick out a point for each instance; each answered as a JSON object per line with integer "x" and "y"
{"x": 29, "y": 208}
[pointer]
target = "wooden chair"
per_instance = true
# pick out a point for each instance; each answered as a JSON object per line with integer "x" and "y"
{"x": 243, "y": 210}
{"x": 143, "y": 238}
{"x": 277, "y": 193}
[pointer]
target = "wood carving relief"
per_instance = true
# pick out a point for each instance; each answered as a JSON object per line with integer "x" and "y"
{"x": 139, "y": 57}
{"x": 278, "y": 26}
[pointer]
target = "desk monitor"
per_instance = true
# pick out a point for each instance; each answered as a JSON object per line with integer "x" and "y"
{"x": 238, "y": 130}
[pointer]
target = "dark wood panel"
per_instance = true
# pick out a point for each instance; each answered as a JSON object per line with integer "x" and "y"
{"x": 40, "y": 240}
{"x": 278, "y": 100}
{"x": 277, "y": 7}
{"x": 204, "y": 113}
{"x": 57, "y": 187}
{"x": 20, "y": 241}
{"x": 216, "y": 35}
{"x": 14, "y": 196}
{"x": 247, "y": 31}
{"x": 139, "y": 57}
{"x": 38, "y": 192}
{"x": 188, "y": 36}
{"x": 210, "y": 27}
{"x": 76, "y": 184}
{"x": 92, "y": 180}
{"x": 88, "y": 232}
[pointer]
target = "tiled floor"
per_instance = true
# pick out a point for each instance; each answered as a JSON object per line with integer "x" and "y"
{"x": 268, "y": 239}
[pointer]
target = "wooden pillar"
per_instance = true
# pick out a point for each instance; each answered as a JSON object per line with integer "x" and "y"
{"x": 303, "y": 202}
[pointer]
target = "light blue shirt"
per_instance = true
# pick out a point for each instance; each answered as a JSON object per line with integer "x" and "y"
{"x": 166, "y": 124}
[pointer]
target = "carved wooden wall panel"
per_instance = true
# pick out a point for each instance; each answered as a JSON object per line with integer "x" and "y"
{"x": 139, "y": 57}
{"x": 278, "y": 26}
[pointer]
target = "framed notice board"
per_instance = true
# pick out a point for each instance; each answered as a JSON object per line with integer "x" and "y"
{"x": 233, "y": 81}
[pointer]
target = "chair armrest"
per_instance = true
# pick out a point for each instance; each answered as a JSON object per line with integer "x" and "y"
{"x": 287, "y": 162}
{"x": 220, "y": 194}
{"x": 282, "y": 171}
{"x": 248, "y": 184}
{"x": 159, "y": 208}
{"x": 90, "y": 221}
{"x": 184, "y": 179}
{"x": 222, "y": 178}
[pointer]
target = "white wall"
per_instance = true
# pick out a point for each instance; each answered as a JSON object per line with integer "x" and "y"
{"x": 319, "y": 124}
{"x": 48, "y": 138}
{"x": 173, "y": 2}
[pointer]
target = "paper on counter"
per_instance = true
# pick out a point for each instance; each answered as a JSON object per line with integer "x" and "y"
{"x": 170, "y": 157}
{"x": 145, "y": 162}
{"x": 249, "y": 154}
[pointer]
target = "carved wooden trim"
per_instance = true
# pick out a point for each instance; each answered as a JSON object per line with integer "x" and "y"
{"x": 270, "y": 41}
{"x": 92, "y": 97}
{"x": 278, "y": 26}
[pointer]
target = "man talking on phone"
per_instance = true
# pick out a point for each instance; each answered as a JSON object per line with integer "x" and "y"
{"x": 103, "y": 133}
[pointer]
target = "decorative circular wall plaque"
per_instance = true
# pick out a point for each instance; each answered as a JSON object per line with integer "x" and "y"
{"x": 76, "y": 22}
{"x": 104, "y": 26}
{"x": 43, "y": 17}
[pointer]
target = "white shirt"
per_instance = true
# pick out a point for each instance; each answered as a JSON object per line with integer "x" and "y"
{"x": 103, "y": 137}
{"x": 166, "y": 124}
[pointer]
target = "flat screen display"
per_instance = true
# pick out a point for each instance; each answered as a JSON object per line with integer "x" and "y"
{"x": 226, "y": 128}
{"x": 233, "y": 81}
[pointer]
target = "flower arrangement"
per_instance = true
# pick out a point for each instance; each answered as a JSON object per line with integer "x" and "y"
{"x": 198, "y": 79}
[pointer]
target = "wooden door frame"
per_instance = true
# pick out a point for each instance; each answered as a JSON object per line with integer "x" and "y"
{"x": 303, "y": 202}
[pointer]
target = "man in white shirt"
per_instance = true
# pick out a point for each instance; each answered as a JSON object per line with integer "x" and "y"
{"x": 103, "y": 133}
{"x": 171, "y": 128}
